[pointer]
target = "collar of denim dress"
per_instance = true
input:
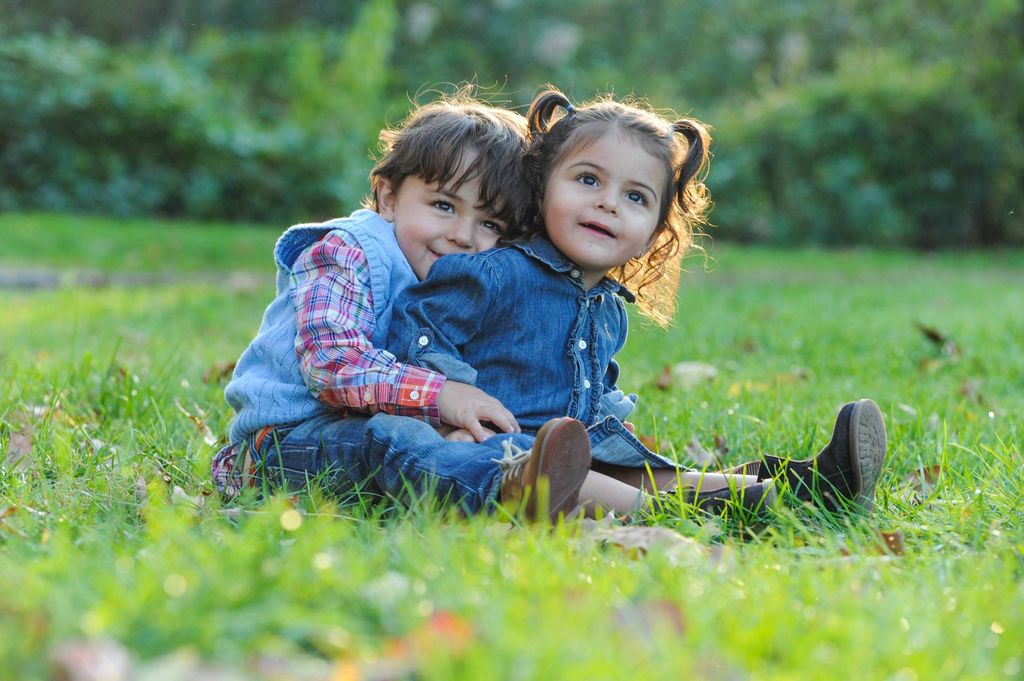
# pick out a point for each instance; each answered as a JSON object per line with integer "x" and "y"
{"x": 542, "y": 249}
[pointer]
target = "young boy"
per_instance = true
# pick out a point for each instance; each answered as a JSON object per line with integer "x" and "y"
{"x": 316, "y": 395}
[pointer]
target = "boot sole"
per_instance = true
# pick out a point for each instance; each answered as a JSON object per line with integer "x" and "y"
{"x": 563, "y": 448}
{"x": 867, "y": 450}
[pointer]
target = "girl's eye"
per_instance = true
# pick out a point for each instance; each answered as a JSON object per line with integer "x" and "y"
{"x": 492, "y": 226}
{"x": 637, "y": 197}
{"x": 445, "y": 206}
{"x": 587, "y": 179}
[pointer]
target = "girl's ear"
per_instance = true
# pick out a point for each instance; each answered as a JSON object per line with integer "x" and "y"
{"x": 387, "y": 200}
{"x": 648, "y": 246}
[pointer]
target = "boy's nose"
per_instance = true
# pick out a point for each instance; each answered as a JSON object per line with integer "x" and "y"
{"x": 461, "y": 234}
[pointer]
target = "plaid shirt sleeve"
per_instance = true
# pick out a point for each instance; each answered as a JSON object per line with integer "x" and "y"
{"x": 334, "y": 318}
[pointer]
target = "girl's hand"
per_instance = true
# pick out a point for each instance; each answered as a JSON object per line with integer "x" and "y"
{"x": 466, "y": 407}
{"x": 463, "y": 435}
{"x": 629, "y": 426}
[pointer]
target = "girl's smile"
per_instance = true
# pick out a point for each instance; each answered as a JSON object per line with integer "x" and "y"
{"x": 601, "y": 203}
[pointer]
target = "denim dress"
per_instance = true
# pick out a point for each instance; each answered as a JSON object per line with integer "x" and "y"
{"x": 518, "y": 323}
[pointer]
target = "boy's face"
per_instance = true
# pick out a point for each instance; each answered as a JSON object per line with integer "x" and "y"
{"x": 431, "y": 221}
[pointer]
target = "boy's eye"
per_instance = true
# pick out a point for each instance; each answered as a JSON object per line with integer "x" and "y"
{"x": 492, "y": 226}
{"x": 445, "y": 206}
{"x": 587, "y": 179}
{"x": 637, "y": 197}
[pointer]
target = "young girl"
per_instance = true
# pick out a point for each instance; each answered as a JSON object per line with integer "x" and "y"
{"x": 537, "y": 324}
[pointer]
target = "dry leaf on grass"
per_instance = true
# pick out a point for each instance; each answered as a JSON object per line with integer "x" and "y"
{"x": 218, "y": 372}
{"x": 647, "y": 618}
{"x": 652, "y": 443}
{"x": 892, "y": 543}
{"x": 638, "y": 541}
{"x": 185, "y": 664}
{"x": 924, "y": 479}
{"x": 971, "y": 389}
{"x": 940, "y": 340}
{"x": 705, "y": 458}
{"x": 665, "y": 380}
{"x": 23, "y": 422}
{"x": 686, "y": 375}
{"x": 199, "y": 420}
{"x": 93, "y": 660}
{"x": 180, "y": 497}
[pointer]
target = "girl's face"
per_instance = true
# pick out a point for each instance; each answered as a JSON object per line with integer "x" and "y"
{"x": 601, "y": 203}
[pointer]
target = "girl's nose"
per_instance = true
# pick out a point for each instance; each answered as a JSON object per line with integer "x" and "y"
{"x": 607, "y": 202}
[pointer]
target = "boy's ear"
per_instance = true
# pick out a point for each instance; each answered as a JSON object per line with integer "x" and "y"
{"x": 386, "y": 200}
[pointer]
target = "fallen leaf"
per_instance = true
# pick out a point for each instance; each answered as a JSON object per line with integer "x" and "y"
{"x": 18, "y": 456}
{"x": 906, "y": 408}
{"x": 647, "y": 618}
{"x": 924, "y": 479}
{"x": 141, "y": 491}
{"x": 179, "y": 496}
{"x": 199, "y": 419}
{"x": 185, "y": 663}
{"x": 930, "y": 364}
{"x": 94, "y": 660}
{"x": 939, "y": 339}
{"x": 699, "y": 455}
{"x": 219, "y": 372}
{"x": 690, "y": 374}
{"x": 665, "y": 378}
{"x": 892, "y": 543}
{"x": 650, "y": 442}
{"x": 638, "y": 541}
{"x": 749, "y": 345}
{"x": 971, "y": 389}
{"x": 721, "y": 449}
{"x": 796, "y": 375}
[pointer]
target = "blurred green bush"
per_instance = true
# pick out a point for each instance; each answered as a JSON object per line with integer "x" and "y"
{"x": 274, "y": 129}
{"x": 881, "y": 152}
{"x": 835, "y": 123}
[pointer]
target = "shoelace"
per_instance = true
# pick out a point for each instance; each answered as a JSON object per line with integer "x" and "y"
{"x": 512, "y": 461}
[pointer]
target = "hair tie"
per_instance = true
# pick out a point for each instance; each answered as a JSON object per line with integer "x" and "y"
{"x": 570, "y": 110}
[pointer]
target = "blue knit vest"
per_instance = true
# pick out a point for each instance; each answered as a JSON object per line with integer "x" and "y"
{"x": 267, "y": 388}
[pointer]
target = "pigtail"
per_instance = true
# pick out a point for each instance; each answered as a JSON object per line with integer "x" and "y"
{"x": 692, "y": 198}
{"x": 539, "y": 118}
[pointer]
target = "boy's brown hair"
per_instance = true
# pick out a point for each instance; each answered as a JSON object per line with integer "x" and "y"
{"x": 453, "y": 140}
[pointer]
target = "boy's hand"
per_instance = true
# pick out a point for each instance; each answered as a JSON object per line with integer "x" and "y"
{"x": 465, "y": 406}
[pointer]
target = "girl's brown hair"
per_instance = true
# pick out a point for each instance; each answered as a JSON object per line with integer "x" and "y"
{"x": 453, "y": 140}
{"x": 556, "y": 127}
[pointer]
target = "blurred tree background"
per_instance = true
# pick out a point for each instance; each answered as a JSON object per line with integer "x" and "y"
{"x": 881, "y": 122}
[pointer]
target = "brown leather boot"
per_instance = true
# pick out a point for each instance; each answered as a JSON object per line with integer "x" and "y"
{"x": 545, "y": 481}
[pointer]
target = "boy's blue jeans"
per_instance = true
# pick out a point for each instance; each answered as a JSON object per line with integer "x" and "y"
{"x": 395, "y": 455}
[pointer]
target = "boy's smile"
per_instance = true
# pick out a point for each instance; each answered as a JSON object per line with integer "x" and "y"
{"x": 601, "y": 203}
{"x": 431, "y": 221}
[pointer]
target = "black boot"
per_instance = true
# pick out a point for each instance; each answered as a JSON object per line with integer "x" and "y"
{"x": 847, "y": 469}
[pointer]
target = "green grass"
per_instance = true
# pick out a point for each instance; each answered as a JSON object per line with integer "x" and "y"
{"x": 97, "y": 545}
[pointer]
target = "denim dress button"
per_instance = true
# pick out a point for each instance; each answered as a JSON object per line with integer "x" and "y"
{"x": 575, "y": 274}
{"x": 582, "y": 344}
{"x": 586, "y": 384}
{"x": 423, "y": 341}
